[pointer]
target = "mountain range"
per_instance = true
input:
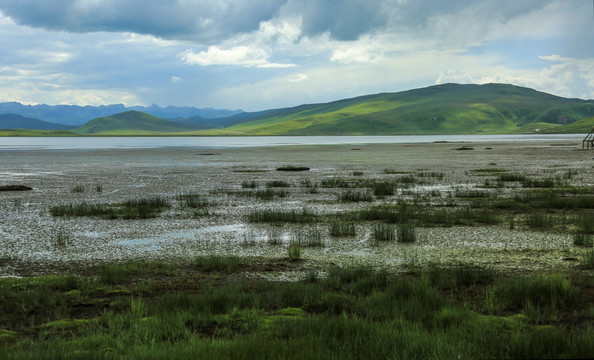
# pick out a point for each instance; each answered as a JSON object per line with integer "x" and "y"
{"x": 79, "y": 115}
{"x": 439, "y": 109}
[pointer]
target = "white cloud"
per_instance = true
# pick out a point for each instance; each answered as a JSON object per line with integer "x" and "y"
{"x": 175, "y": 79}
{"x": 298, "y": 78}
{"x": 238, "y": 56}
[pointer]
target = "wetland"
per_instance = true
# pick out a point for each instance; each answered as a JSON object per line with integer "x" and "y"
{"x": 351, "y": 251}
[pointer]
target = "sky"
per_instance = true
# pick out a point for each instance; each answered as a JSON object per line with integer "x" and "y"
{"x": 264, "y": 54}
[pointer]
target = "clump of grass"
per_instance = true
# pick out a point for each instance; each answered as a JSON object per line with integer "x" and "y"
{"x": 294, "y": 251}
{"x": 511, "y": 177}
{"x": 132, "y": 209}
{"x": 406, "y": 233}
{"x": 61, "y": 237}
{"x": 277, "y": 183}
{"x": 116, "y": 274}
{"x": 78, "y": 189}
{"x": 246, "y": 184}
{"x": 468, "y": 193}
{"x": 585, "y": 223}
{"x": 194, "y": 201}
{"x": 408, "y": 179}
{"x": 543, "y": 183}
{"x": 358, "y": 173}
{"x": 270, "y": 194}
{"x": 335, "y": 183}
{"x": 546, "y": 291}
{"x": 588, "y": 259}
{"x": 99, "y": 188}
{"x": 383, "y": 189}
{"x": 342, "y": 228}
{"x": 355, "y": 196}
{"x": 384, "y": 232}
{"x": 540, "y": 220}
{"x": 582, "y": 239}
{"x": 276, "y": 216}
{"x": 431, "y": 174}
{"x": 218, "y": 263}
{"x": 310, "y": 238}
{"x": 460, "y": 275}
{"x": 274, "y": 235}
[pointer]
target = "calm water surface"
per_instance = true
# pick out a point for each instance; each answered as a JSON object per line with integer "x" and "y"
{"x": 223, "y": 142}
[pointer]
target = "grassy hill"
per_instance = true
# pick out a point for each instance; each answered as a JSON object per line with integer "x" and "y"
{"x": 14, "y": 121}
{"x": 132, "y": 123}
{"x": 440, "y": 109}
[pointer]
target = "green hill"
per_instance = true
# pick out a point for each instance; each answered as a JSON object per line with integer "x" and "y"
{"x": 440, "y": 109}
{"x": 132, "y": 123}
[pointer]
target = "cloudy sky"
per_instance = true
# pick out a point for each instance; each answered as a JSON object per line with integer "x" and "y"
{"x": 261, "y": 54}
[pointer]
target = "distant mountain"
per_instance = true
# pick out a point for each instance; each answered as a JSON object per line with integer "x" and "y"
{"x": 78, "y": 115}
{"x": 221, "y": 122}
{"x": 440, "y": 109}
{"x": 14, "y": 121}
{"x": 132, "y": 123}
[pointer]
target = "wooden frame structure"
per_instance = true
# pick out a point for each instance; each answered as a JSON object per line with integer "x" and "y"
{"x": 588, "y": 142}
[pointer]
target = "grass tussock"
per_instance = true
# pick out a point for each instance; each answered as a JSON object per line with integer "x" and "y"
{"x": 132, "y": 209}
{"x": 218, "y": 263}
{"x": 339, "y": 228}
{"x": 303, "y": 216}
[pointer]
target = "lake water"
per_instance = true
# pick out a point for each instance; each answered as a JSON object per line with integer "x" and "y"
{"x": 228, "y": 142}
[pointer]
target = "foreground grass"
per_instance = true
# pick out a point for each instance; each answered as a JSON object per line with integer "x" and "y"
{"x": 157, "y": 310}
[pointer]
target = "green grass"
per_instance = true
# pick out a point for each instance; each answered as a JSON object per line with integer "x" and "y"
{"x": 192, "y": 200}
{"x": 143, "y": 208}
{"x": 342, "y": 228}
{"x": 406, "y": 233}
{"x": 354, "y": 312}
{"x": 277, "y": 183}
{"x": 384, "y": 232}
{"x": 355, "y": 196}
{"x": 303, "y": 216}
{"x": 218, "y": 263}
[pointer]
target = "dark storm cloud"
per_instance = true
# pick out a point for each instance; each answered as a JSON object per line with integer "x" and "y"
{"x": 200, "y": 20}
{"x": 213, "y": 21}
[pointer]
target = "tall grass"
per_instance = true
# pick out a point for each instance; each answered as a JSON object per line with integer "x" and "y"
{"x": 355, "y": 196}
{"x": 132, "y": 209}
{"x": 282, "y": 216}
{"x": 218, "y": 263}
{"x": 384, "y": 232}
{"x": 342, "y": 228}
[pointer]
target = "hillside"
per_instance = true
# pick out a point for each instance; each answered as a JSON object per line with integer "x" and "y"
{"x": 14, "y": 121}
{"x": 440, "y": 109}
{"x": 78, "y": 115}
{"x": 132, "y": 123}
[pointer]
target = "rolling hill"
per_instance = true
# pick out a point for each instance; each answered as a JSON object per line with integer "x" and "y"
{"x": 14, "y": 121}
{"x": 440, "y": 109}
{"x": 132, "y": 123}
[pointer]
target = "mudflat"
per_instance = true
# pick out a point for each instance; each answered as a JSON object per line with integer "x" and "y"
{"x": 233, "y": 186}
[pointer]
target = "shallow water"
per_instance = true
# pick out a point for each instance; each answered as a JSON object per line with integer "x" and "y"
{"x": 230, "y": 142}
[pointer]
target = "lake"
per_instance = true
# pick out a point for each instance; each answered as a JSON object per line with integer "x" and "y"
{"x": 228, "y": 142}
